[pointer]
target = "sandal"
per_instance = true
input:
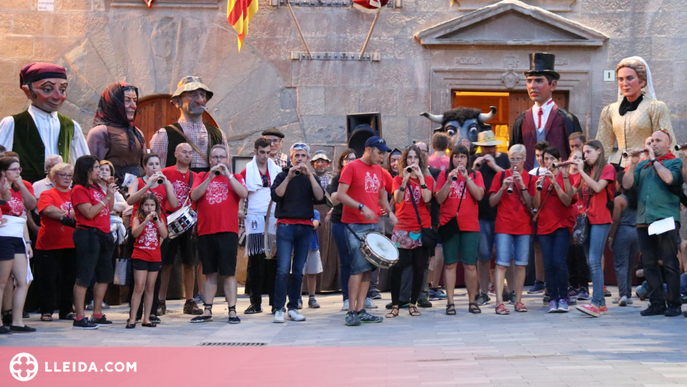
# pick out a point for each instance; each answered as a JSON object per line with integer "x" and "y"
{"x": 474, "y": 308}
{"x": 393, "y": 313}
{"x": 520, "y": 307}
{"x": 149, "y": 325}
{"x": 130, "y": 325}
{"x": 412, "y": 309}
{"x": 235, "y": 319}
{"x": 46, "y": 317}
{"x": 451, "y": 309}
{"x": 501, "y": 309}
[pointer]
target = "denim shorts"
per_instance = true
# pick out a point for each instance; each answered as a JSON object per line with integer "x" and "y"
{"x": 512, "y": 247}
{"x": 359, "y": 264}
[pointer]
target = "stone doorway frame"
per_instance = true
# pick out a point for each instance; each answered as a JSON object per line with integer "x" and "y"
{"x": 444, "y": 80}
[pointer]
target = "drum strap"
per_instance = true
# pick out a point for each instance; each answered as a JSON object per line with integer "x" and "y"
{"x": 354, "y": 234}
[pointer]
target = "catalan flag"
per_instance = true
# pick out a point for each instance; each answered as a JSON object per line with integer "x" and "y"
{"x": 149, "y": 3}
{"x": 239, "y": 14}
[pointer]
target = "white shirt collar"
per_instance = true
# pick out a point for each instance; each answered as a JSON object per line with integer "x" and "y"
{"x": 34, "y": 111}
{"x": 546, "y": 107}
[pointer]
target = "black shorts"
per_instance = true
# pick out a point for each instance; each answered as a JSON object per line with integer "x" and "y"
{"x": 181, "y": 244}
{"x": 139, "y": 264}
{"x": 9, "y": 246}
{"x": 218, "y": 253}
{"x": 93, "y": 256}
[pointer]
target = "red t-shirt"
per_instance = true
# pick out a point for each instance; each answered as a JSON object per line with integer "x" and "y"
{"x": 53, "y": 235}
{"x": 147, "y": 246}
{"x": 553, "y": 214}
{"x": 389, "y": 182}
{"x": 598, "y": 213}
{"x": 513, "y": 218}
{"x": 15, "y": 206}
{"x": 160, "y": 193}
{"x": 267, "y": 175}
{"x": 405, "y": 212}
{"x": 469, "y": 208}
{"x": 180, "y": 185}
{"x": 440, "y": 163}
{"x": 92, "y": 195}
{"x": 218, "y": 208}
{"x": 365, "y": 182}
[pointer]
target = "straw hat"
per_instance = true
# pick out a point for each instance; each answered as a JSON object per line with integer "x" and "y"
{"x": 191, "y": 83}
{"x": 487, "y": 138}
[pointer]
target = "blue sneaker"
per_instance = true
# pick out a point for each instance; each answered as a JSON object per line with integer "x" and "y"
{"x": 583, "y": 293}
{"x": 572, "y": 293}
{"x": 436, "y": 295}
{"x": 365, "y": 317}
{"x": 563, "y": 306}
{"x": 553, "y": 308}
{"x": 352, "y": 319}
{"x": 538, "y": 287}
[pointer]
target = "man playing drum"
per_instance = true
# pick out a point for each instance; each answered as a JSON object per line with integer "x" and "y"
{"x": 361, "y": 191}
{"x": 181, "y": 177}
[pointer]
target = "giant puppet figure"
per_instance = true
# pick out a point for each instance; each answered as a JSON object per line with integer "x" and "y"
{"x": 463, "y": 124}
{"x": 636, "y": 114}
{"x": 40, "y": 131}
{"x": 544, "y": 120}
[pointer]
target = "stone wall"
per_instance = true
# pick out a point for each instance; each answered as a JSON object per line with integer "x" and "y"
{"x": 261, "y": 87}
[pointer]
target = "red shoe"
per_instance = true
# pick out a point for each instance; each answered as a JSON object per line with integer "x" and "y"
{"x": 589, "y": 309}
{"x": 603, "y": 309}
{"x": 520, "y": 307}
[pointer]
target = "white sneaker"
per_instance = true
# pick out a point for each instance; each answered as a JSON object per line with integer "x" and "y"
{"x": 369, "y": 304}
{"x": 295, "y": 316}
{"x": 279, "y": 316}
{"x": 622, "y": 301}
{"x": 345, "y": 306}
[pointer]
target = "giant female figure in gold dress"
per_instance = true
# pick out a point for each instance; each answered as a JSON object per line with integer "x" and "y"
{"x": 636, "y": 115}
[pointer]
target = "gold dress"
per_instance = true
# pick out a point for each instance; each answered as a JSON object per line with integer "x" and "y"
{"x": 631, "y": 129}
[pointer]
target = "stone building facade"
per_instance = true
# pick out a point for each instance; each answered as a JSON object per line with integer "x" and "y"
{"x": 426, "y": 50}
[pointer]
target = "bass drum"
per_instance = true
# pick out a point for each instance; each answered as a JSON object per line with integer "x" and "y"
{"x": 181, "y": 221}
{"x": 379, "y": 250}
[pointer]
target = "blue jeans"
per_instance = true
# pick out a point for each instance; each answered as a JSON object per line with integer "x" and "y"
{"x": 296, "y": 238}
{"x": 594, "y": 250}
{"x": 554, "y": 249}
{"x": 625, "y": 248}
{"x": 512, "y": 247}
{"x": 341, "y": 240}
{"x": 486, "y": 239}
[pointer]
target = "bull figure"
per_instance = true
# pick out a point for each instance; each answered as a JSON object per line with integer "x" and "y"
{"x": 462, "y": 124}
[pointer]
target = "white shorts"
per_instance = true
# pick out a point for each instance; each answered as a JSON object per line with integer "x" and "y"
{"x": 313, "y": 265}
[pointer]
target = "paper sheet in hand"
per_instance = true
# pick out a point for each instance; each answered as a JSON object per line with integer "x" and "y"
{"x": 660, "y": 226}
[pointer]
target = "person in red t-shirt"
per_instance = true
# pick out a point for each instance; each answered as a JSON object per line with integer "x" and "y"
{"x": 553, "y": 228}
{"x": 55, "y": 252}
{"x": 155, "y": 182}
{"x": 15, "y": 246}
{"x": 361, "y": 192}
{"x": 217, "y": 194}
{"x": 410, "y": 187}
{"x": 459, "y": 190}
{"x": 149, "y": 226}
{"x": 597, "y": 187}
{"x": 92, "y": 239}
{"x": 512, "y": 192}
{"x": 438, "y": 159}
{"x": 578, "y": 269}
{"x": 182, "y": 178}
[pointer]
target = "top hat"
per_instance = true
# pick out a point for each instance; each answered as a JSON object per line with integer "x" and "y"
{"x": 542, "y": 63}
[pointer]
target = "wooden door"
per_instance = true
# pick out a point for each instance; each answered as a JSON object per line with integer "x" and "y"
{"x": 483, "y": 101}
{"x": 157, "y": 111}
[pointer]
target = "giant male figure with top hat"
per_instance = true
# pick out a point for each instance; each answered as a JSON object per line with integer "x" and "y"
{"x": 40, "y": 131}
{"x": 545, "y": 120}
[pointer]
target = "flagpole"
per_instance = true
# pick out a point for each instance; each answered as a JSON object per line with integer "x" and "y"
{"x": 369, "y": 34}
{"x": 298, "y": 28}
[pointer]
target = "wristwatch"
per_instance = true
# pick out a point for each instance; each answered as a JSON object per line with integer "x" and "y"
{"x": 423, "y": 186}
{"x": 360, "y": 206}
{"x": 402, "y": 189}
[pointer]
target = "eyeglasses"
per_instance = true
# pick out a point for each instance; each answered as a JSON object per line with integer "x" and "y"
{"x": 64, "y": 175}
{"x": 218, "y": 157}
{"x": 17, "y": 170}
{"x": 516, "y": 159}
{"x": 275, "y": 140}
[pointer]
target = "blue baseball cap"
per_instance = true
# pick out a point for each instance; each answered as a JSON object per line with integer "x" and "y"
{"x": 377, "y": 142}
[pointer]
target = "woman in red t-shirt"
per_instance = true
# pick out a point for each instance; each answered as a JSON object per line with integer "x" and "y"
{"x": 411, "y": 184}
{"x": 55, "y": 252}
{"x": 578, "y": 269}
{"x": 553, "y": 228}
{"x": 92, "y": 239}
{"x": 459, "y": 190}
{"x": 597, "y": 185}
{"x": 146, "y": 260}
{"x": 15, "y": 243}
{"x": 154, "y": 182}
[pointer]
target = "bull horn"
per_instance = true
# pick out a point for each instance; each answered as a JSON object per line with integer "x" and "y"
{"x": 484, "y": 117}
{"x": 432, "y": 117}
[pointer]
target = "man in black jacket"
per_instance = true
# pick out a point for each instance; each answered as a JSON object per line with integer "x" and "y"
{"x": 295, "y": 190}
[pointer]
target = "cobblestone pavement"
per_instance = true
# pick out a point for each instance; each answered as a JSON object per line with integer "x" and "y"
{"x": 533, "y": 348}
